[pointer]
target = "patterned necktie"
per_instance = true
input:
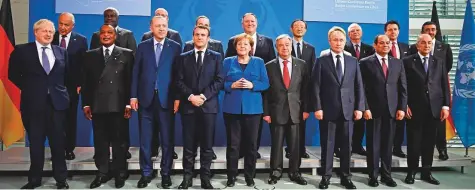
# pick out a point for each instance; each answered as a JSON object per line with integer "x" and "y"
{"x": 286, "y": 74}
{"x": 357, "y": 50}
{"x": 45, "y": 60}
{"x": 158, "y": 52}
{"x": 339, "y": 69}
{"x": 299, "y": 53}
{"x": 106, "y": 56}
{"x": 385, "y": 68}
{"x": 393, "y": 50}
{"x": 63, "y": 41}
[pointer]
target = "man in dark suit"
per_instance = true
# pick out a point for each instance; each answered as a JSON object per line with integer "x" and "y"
{"x": 125, "y": 38}
{"x": 338, "y": 100}
{"x": 442, "y": 52}
{"x": 428, "y": 107}
{"x": 199, "y": 80}
{"x": 171, "y": 34}
{"x": 76, "y": 45}
{"x": 41, "y": 71}
{"x": 386, "y": 101}
{"x": 398, "y": 50}
{"x": 154, "y": 90}
{"x": 359, "y": 50}
{"x": 305, "y": 51}
{"x": 285, "y": 107}
{"x": 106, "y": 95}
{"x": 263, "y": 48}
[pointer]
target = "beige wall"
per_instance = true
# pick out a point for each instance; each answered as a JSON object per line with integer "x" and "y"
{"x": 20, "y": 11}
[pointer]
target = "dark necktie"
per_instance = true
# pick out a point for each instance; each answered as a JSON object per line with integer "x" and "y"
{"x": 425, "y": 63}
{"x": 357, "y": 48}
{"x": 299, "y": 53}
{"x": 106, "y": 56}
{"x": 393, "y": 50}
{"x": 339, "y": 69}
{"x": 45, "y": 60}
{"x": 199, "y": 62}
{"x": 286, "y": 74}
{"x": 385, "y": 68}
{"x": 63, "y": 41}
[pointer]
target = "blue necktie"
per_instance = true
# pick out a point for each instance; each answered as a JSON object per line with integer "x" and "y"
{"x": 45, "y": 60}
{"x": 158, "y": 52}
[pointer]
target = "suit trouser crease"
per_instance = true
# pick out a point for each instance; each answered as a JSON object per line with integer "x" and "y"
{"x": 291, "y": 132}
{"x": 421, "y": 137}
{"x": 328, "y": 132}
{"x": 380, "y": 138}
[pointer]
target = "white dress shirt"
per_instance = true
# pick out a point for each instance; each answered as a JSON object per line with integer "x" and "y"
{"x": 110, "y": 48}
{"x": 254, "y": 37}
{"x": 49, "y": 53}
{"x": 66, "y": 39}
{"x": 289, "y": 66}
{"x": 155, "y": 42}
{"x": 294, "y": 42}
{"x": 342, "y": 60}
{"x": 202, "y": 55}
{"x": 381, "y": 61}
{"x": 359, "y": 46}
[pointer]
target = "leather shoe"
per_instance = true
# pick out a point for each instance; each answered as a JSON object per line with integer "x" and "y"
{"x": 231, "y": 182}
{"x": 128, "y": 155}
{"x": 373, "y": 182}
{"x": 388, "y": 182}
{"x": 324, "y": 183}
{"x": 144, "y": 181}
{"x": 166, "y": 182}
{"x": 98, "y": 181}
{"x": 443, "y": 155}
{"x": 297, "y": 178}
{"x": 258, "y": 155}
{"x": 119, "y": 182}
{"x": 410, "y": 178}
{"x": 287, "y": 154}
{"x": 337, "y": 153}
{"x": 429, "y": 179}
{"x": 273, "y": 180}
{"x": 206, "y": 184}
{"x": 361, "y": 151}
{"x": 214, "y": 156}
{"x": 31, "y": 185}
{"x": 250, "y": 182}
{"x": 154, "y": 154}
{"x": 347, "y": 183}
{"x": 399, "y": 153}
{"x": 62, "y": 185}
{"x": 70, "y": 155}
{"x": 185, "y": 184}
{"x": 305, "y": 155}
{"x": 175, "y": 156}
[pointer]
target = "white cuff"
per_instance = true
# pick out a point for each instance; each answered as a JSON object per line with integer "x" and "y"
{"x": 133, "y": 98}
{"x": 202, "y": 95}
{"x": 128, "y": 106}
{"x": 446, "y": 108}
{"x": 189, "y": 97}
{"x": 86, "y": 107}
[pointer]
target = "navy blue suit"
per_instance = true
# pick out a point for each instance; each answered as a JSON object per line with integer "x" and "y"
{"x": 44, "y": 100}
{"x": 338, "y": 100}
{"x": 153, "y": 86}
{"x": 76, "y": 48}
{"x": 195, "y": 79}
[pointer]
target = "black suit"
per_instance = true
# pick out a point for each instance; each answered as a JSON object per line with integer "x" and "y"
{"x": 384, "y": 97}
{"x": 427, "y": 93}
{"x": 195, "y": 78}
{"x": 285, "y": 108}
{"x": 359, "y": 126}
{"x": 124, "y": 38}
{"x": 76, "y": 48}
{"x": 106, "y": 89}
{"x": 214, "y": 45}
{"x": 264, "y": 50}
{"x": 171, "y": 34}
{"x": 308, "y": 55}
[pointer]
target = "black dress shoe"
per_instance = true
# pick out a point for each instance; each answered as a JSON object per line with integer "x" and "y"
{"x": 154, "y": 154}
{"x": 337, "y": 154}
{"x": 166, "y": 181}
{"x": 373, "y": 182}
{"x": 62, "y": 185}
{"x": 388, "y": 182}
{"x": 305, "y": 155}
{"x": 347, "y": 183}
{"x": 119, "y": 182}
{"x": 287, "y": 154}
{"x": 175, "y": 156}
{"x": 258, "y": 155}
{"x": 206, "y": 184}
{"x": 31, "y": 185}
{"x": 410, "y": 178}
{"x": 429, "y": 179}
{"x": 273, "y": 180}
{"x": 250, "y": 182}
{"x": 443, "y": 155}
{"x": 297, "y": 178}
{"x": 324, "y": 183}
{"x": 144, "y": 181}
{"x": 214, "y": 156}
{"x": 361, "y": 151}
{"x": 128, "y": 155}
{"x": 231, "y": 182}
{"x": 185, "y": 184}
{"x": 70, "y": 156}
{"x": 399, "y": 153}
{"x": 98, "y": 181}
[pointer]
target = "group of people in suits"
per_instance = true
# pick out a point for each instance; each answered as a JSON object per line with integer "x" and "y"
{"x": 351, "y": 86}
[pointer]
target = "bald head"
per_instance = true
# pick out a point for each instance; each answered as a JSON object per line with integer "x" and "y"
{"x": 65, "y": 23}
{"x": 161, "y": 12}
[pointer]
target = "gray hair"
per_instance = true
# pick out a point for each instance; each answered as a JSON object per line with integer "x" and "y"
{"x": 281, "y": 37}
{"x": 158, "y": 17}
{"x": 41, "y": 22}
{"x": 112, "y": 9}
{"x": 70, "y": 15}
{"x": 160, "y": 9}
{"x": 353, "y": 25}
{"x": 335, "y": 29}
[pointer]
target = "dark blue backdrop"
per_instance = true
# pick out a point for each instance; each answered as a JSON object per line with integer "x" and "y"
{"x": 274, "y": 18}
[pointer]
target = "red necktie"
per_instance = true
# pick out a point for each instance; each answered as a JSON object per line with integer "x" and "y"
{"x": 385, "y": 68}
{"x": 286, "y": 75}
{"x": 393, "y": 50}
{"x": 63, "y": 42}
{"x": 357, "y": 51}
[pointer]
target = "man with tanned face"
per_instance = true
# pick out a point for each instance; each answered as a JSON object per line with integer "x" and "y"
{"x": 106, "y": 94}
{"x": 171, "y": 34}
{"x": 76, "y": 46}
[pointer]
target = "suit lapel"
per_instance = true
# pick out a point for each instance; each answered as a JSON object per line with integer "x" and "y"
{"x": 419, "y": 66}
{"x": 332, "y": 67}
{"x": 206, "y": 59}
{"x": 437, "y": 48}
{"x": 56, "y": 55}
{"x": 295, "y": 73}
{"x": 259, "y": 43}
{"x": 34, "y": 48}
{"x": 390, "y": 67}
{"x": 118, "y": 34}
{"x": 165, "y": 51}
{"x": 431, "y": 67}
{"x": 345, "y": 71}
{"x": 72, "y": 40}
{"x": 278, "y": 72}
{"x": 378, "y": 65}
{"x": 351, "y": 48}
{"x": 112, "y": 61}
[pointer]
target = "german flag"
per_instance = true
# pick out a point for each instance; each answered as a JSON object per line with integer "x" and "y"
{"x": 11, "y": 125}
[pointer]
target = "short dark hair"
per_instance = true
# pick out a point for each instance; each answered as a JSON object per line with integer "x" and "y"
{"x": 242, "y": 19}
{"x": 377, "y": 37}
{"x": 391, "y": 22}
{"x": 426, "y": 24}
{"x": 296, "y": 20}
{"x": 199, "y": 17}
{"x": 202, "y": 27}
{"x": 106, "y": 25}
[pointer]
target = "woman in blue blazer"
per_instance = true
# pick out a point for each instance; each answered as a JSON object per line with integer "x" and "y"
{"x": 245, "y": 80}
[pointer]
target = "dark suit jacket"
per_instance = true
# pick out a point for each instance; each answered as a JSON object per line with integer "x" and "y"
{"x": 171, "y": 34}
{"x": 27, "y": 73}
{"x": 365, "y": 50}
{"x": 281, "y": 103}
{"x": 419, "y": 85}
{"x": 403, "y": 50}
{"x": 264, "y": 48}
{"x": 106, "y": 86}
{"x": 384, "y": 96}
{"x": 442, "y": 52}
{"x": 207, "y": 80}
{"x": 334, "y": 98}
{"x": 76, "y": 48}
{"x": 146, "y": 73}
{"x": 124, "y": 38}
{"x": 214, "y": 45}
{"x": 308, "y": 54}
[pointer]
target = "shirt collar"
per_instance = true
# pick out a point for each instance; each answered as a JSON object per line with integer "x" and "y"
{"x": 422, "y": 57}
{"x": 282, "y": 60}
{"x": 110, "y": 48}
{"x": 155, "y": 41}
{"x": 295, "y": 42}
{"x": 395, "y": 42}
{"x": 334, "y": 54}
{"x": 39, "y": 45}
{"x": 67, "y": 35}
{"x": 354, "y": 44}
{"x": 380, "y": 57}
{"x": 196, "y": 50}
